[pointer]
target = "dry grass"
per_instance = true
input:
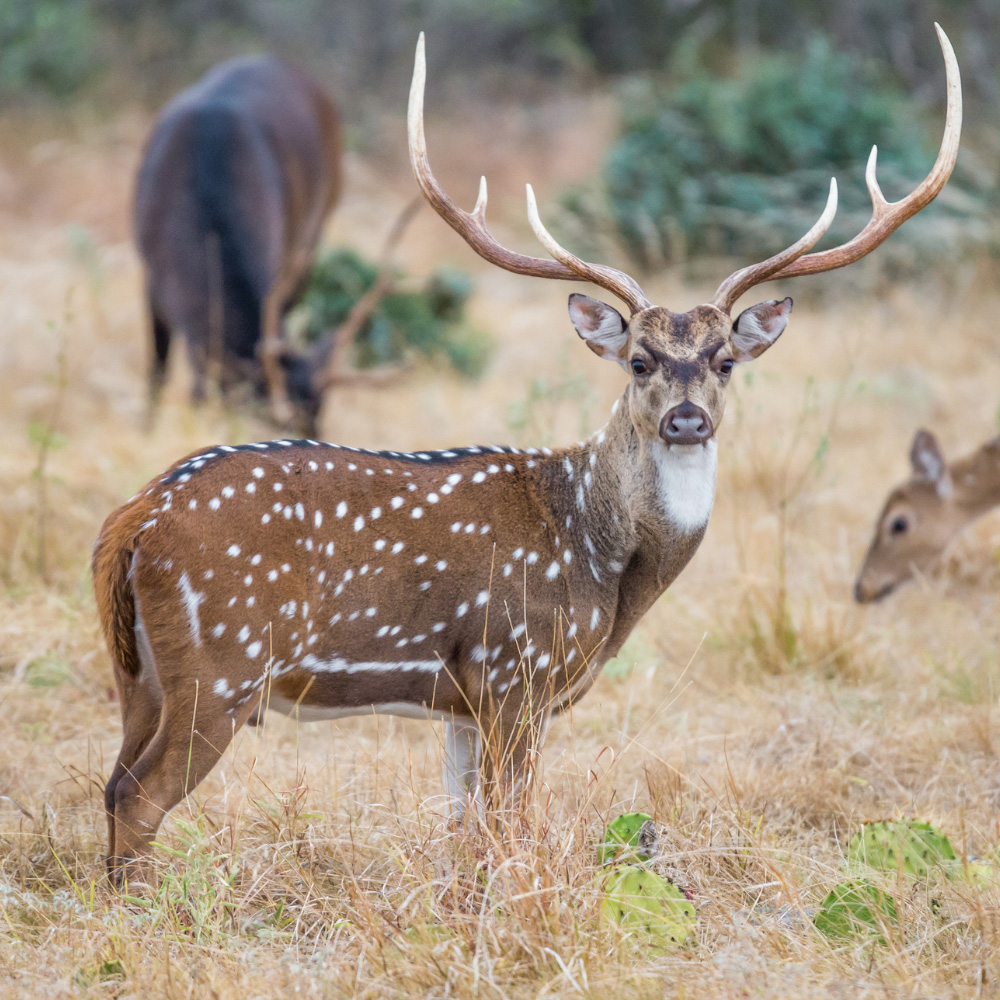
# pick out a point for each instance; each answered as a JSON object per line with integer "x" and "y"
{"x": 757, "y": 714}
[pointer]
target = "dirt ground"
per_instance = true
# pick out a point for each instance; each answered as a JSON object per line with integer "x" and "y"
{"x": 757, "y": 713}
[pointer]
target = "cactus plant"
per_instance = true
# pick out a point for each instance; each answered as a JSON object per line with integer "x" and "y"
{"x": 915, "y": 848}
{"x": 629, "y": 838}
{"x": 855, "y": 908}
{"x": 648, "y": 905}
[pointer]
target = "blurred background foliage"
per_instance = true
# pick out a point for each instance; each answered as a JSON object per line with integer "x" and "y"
{"x": 711, "y": 165}
{"x": 734, "y": 113}
{"x": 427, "y": 320}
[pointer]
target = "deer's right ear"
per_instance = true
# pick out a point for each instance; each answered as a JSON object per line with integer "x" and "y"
{"x": 602, "y": 327}
{"x": 928, "y": 461}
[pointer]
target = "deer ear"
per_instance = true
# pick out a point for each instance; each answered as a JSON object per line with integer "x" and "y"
{"x": 602, "y": 327}
{"x": 758, "y": 327}
{"x": 928, "y": 461}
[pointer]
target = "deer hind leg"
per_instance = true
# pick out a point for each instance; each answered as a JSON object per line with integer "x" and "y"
{"x": 179, "y": 756}
{"x": 141, "y": 705}
{"x": 460, "y": 770}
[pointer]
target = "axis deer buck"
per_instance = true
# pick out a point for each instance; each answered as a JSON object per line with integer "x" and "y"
{"x": 485, "y": 586}
{"x": 237, "y": 178}
{"x": 924, "y": 514}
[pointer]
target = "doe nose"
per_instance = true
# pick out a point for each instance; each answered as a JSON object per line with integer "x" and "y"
{"x": 686, "y": 424}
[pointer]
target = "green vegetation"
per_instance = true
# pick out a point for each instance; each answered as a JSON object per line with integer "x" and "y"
{"x": 47, "y": 46}
{"x": 913, "y": 850}
{"x": 741, "y": 165}
{"x": 630, "y": 837}
{"x": 428, "y": 320}
{"x": 642, "y": 902}
{"x": 856, "y": 909}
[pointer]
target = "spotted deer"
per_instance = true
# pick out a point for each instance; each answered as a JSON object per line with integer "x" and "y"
{"x": 922, "y": 516}
{"x": 484, "y": 586}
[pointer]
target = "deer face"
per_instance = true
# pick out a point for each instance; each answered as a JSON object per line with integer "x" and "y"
{"x": 917, "y": 522}
{"x": 679, "y": 363}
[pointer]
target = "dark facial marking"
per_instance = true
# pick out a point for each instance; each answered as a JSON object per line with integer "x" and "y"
{"x": 657, "y": 355}
{"x": 685, "y": 371}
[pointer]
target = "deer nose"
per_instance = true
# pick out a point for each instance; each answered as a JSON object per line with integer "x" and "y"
{"x": 686, "y": 424}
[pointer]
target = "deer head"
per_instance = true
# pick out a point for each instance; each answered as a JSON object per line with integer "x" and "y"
{"x": 679, "y": 364}
{"x": 922, "y": 515}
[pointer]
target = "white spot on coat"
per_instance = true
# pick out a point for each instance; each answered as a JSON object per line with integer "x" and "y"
{"x": 192, "y": 600}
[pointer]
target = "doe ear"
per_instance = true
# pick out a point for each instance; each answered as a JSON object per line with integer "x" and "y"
{"x": 758, "y": 327}
{"x": 928, "y": 461}
{"x": 602, "y": 327}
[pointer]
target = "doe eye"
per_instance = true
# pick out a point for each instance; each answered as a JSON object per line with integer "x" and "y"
{"x": 899, "y": 525}
{"x": 638, "y": 366}
{"x": 727, "y": 366}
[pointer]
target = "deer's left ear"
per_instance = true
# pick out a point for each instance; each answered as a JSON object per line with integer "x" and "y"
{"x": 758, "y": 327}
{"x": 928, "y": 462}
{"x": 601, "y": 326}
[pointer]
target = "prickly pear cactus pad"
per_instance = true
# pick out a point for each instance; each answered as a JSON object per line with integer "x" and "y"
{"x": 629, "y": 838}
{"x": 649, "y": 906}
{"x": 917, "y": 847}
{"x": 854, "y": 909}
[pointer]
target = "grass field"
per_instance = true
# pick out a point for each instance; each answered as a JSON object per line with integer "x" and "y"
{"x": 757, "y": 714}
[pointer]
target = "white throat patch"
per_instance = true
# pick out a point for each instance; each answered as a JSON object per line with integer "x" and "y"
{"x": 687, "y": 482}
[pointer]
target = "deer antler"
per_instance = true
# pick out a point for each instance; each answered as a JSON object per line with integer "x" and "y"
{"x": 471, "y": 226}
{"x": 886, "y": 216}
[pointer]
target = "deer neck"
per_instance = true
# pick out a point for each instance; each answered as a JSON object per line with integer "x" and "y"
{"x": 975, "y": 481}
{"x": 632, "y": 512}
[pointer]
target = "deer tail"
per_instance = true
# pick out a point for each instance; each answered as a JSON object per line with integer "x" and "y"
{"x": 111, "y": 566}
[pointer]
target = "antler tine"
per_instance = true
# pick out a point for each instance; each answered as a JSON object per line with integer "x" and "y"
{"x": 471, "y": 226}
{"x": 888, "y": 216}
{"x": 743, "y": 280}
{"x": 621, "y": 284}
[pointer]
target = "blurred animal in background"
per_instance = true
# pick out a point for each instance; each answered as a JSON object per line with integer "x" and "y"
{"x": 236, "y": 180}
{"x": 485, "y": 586}
{"x": 922, "y": 516}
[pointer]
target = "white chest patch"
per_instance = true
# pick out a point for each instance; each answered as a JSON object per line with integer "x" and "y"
{"x": 687, "y": 483}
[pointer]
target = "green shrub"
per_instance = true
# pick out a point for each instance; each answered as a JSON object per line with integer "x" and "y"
{"x": 742, "y": 166}
{"x": 46, "y": 45}
{"x": 429, "y": 320}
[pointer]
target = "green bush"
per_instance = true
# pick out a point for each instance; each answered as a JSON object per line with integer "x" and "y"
{"x": 429, "y": 320}
{"x": 742, "y": 166}
{"x": 45, "y": 45}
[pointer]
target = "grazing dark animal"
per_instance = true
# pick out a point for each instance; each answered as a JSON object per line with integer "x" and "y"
{"x": 238, "y": 176}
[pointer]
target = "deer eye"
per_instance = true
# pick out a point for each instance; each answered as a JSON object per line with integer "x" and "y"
{"x": 900, "y": 525}
{"x": 727, "y": 366}
{"x": 639, "y": 366}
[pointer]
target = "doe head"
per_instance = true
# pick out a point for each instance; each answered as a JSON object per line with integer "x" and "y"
{"x": 917, "y": 522}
